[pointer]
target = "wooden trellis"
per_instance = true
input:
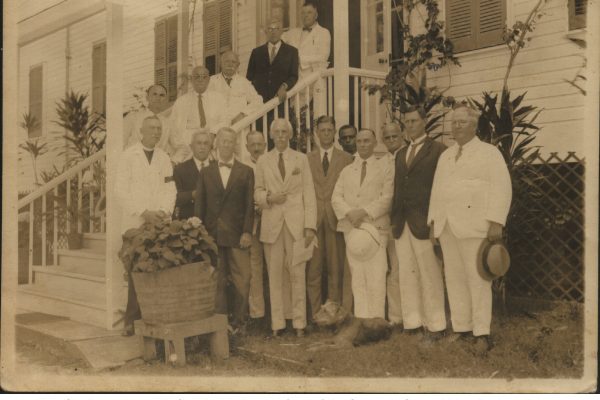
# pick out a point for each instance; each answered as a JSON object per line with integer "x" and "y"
{"x": 546, "y": 229}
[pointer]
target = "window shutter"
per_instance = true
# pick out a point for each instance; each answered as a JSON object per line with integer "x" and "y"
{"x": 492, "y": 19}
{"x": 99, "y": 78}
{"x": 460, "y": 19}
{"x": 225, "y": 13}
{"x": 211, "y": 35}
{"x": 160, "y": 53}
{"x": 36, "y": 93}
{"x": 577, "y": 14}
{"x": 172, "y": 58}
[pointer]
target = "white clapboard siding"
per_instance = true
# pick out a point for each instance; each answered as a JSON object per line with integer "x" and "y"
{"x": 541, "y": 70}
{"x": 245, "y": 32}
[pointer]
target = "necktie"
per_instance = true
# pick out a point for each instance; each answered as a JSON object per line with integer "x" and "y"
{"x": 458, "y": 153}
{"x": 201, "y": 112}
{"x": 228, "y": 80}
{"x": 325, "y": 164}
{"x": 281, "y": 166}
{"x": 363, "y": 172}
{"x": 149, "y": 155}
{"x": 411, "y": 155}
{"x": 224, "y": 164}
{"x": 272, "y": 56}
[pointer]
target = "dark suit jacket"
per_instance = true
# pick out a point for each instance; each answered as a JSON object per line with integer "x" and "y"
{"x": 412, "y": 189}
{"x": 324, "y": 185}
{"x": 185, "y": 176}
{"x": 267, "y": 77}
{"x": 227, "y": 212}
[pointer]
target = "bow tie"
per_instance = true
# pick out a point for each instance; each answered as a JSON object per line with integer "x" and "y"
{"x": 224, "y": 164}
{"x": 307, "y": 29}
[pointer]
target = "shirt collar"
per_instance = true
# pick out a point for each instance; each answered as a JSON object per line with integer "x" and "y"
{"x": 329, "y": 152}
{"x": 471, "y": 143}
{"x": 369, "y": 160}
{"x": 419, "y": 141}
{"x": 276, "y": 45}
{"x": 147, "y": 148}
{"x": 199, "y": 162}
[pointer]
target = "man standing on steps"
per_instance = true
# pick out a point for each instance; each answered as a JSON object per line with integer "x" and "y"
{"x": 273, "y": 70}
{"x": 326, "y": 163}
{"x": 393, "y": 141}
{"x": 225, "y": 204}
{"x": 198, "y": 109}
{"x": 347, "y": 139}
{"x": 145, "y": 190}
{"x": 420, "y": 280}
{"x": 186, "y": 174}
{"x": 286, "y": 194}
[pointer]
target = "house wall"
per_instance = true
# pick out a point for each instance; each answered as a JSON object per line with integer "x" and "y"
{"x": 541, "y": 70}
{"x": 245, "y": 31}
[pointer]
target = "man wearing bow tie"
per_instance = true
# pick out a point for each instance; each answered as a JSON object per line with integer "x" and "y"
{"x": 186, "y": 174}
{"x": 198, "y": 109}
{"x": 225, "y": 203}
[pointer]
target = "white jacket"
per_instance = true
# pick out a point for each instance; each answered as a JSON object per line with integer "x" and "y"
{"x": 140, "y": 186}
{"x": 313, "y": 50}
{"x": 240, "y": 97}
{"x": 469, "y": 193}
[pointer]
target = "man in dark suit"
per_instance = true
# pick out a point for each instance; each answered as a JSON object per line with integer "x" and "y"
{"x": 326, "y": 163}
{"x": 186, "y": 174}
{"x": 421, "y": 282}
{"x": 273, "y": 69}
{"x": 225, "y": 203}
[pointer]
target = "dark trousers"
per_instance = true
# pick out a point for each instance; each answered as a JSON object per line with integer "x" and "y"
{"x": 132, "y": 312}
{"x": 233, "y": 269}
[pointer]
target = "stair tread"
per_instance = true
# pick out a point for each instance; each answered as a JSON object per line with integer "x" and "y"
{"x": 81, "y": 271}
{"x": 82, "y": 253}
{"x": 50, "y": 293}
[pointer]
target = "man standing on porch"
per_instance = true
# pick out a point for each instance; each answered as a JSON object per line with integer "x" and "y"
{"x": 326, "y": 162}
{"x": 420, "y": 279}
{"x": 145, "y": 190}
{"x": 393, "y": 141}
{"x": 470, "y": 200}
{"x": 170, "y": 142}
{"x": 347, "y": 139}
{"x": 273, "y": 69}
{"x": 285, "y": 192}
{"x": 225, "y": 203}
{"x": 198, "y": 109}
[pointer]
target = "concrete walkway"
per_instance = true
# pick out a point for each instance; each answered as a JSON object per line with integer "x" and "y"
{"x": 99, "y": 348}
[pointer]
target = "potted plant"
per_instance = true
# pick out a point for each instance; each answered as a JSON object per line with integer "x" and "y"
{"x": 171, "y": 266}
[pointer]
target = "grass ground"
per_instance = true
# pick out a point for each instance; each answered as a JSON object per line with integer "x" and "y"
{"x": 529, "y": 343}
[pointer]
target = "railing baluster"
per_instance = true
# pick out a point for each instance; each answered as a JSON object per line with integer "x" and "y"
{"x": 55, "y": 229}
{"x": 356, "y": 81}
{"x": 79, "y": 199}
{"x": 31, "y": 222}
{"x": 330, "y": 107}
{"x": 102, "y": 195}
{"x": 68, "y": 205}
{"x": 297, "y": 109}
{"x": 286, "y": 109}
{"x": 91, "y": 196}
{"x": 276, "y": 112}
{"x": 44, "y": 217}
{"x": 265, "y": 128}
{"x": 365, "y": 100}
{"x": 377, "y": 113}
{"x": 253, "y": 126}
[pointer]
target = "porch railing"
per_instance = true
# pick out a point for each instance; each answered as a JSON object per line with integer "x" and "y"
{"x": 67, "y": 203}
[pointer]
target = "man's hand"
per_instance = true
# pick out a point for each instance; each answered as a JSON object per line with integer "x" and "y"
{"x": 309, "y": 236}
{"x": 356, "y": 216}
{"x": 237, "y": 118}
{"x": 495, "y": 231}
{"x": 277, "y": 198}
{"x": 245, "y": 240}
{"x": 432, "y": 237}
{"x": 282, "y": 93}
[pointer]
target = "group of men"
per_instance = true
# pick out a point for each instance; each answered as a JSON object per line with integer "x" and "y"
{"x": 372, "y": 222}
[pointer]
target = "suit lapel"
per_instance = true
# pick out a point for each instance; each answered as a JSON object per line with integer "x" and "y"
{"x": 275, "y": 167}
{"x": 421, "y": 153}
{"x": 213, "y": 169}
{"x": 279, "y": 53}
{"x": 315, "y": 159}
{"x": 235, "y": 171}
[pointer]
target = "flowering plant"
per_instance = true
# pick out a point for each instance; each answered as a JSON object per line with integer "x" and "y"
{"x": 166, "y": 244}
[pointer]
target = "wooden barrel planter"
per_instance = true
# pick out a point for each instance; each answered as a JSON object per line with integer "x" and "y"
{"x": 177, "y": 294}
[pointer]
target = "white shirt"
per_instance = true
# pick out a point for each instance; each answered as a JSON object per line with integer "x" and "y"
{"x": 276, "y": 46}
{"x": 225, "y": 172}
{"x": 199, "y": 163}
{"x": 417, "y": 144}
{"x": 329, "y": 151}
{"x": 240, "y": 95}
{"x": 313, "y": 47}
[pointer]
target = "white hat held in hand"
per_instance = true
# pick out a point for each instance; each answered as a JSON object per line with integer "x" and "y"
{"x": 363, "y": 242}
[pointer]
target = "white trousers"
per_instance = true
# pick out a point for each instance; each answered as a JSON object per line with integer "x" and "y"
{"x": 287, "y": 283}
{"x": 469, "y": 295}
{"x": 393, "y": 285}
{"x": 421, "y": 283}
{"x": 368, "y": 284}
{"x": 256, "y": 299}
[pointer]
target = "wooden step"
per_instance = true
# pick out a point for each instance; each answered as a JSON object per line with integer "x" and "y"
{"x": 81, "y": 282}
{"x": 83, "y": 257}
{"x": 95, "y": 242}
{"x": 42, "y": 299}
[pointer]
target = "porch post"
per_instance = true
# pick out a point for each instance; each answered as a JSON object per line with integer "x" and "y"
{"x": 183, "y": 21}
{"x": 341, "y": 58}
{"x": 114, "y": 147}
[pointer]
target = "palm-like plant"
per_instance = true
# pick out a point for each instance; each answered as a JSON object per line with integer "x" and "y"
{"x": 33, "y": 147}
{"x": 86, "y": 133}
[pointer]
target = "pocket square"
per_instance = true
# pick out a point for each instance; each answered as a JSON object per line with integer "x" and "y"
{"x": 296, "y": 171}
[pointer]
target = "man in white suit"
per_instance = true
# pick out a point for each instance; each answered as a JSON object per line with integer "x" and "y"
{"x": 146, "y": 192}
{"x": 363, "y": 193}
{"x": 198, "y": 109}
{"x": 470, "y": 200}
{"x": 285, "y": 192}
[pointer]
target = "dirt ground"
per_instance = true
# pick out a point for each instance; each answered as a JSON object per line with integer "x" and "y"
{"x": 529, "y": 343}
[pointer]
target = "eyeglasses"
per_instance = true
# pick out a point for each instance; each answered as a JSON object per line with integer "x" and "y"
{"x": 272, "y": 29}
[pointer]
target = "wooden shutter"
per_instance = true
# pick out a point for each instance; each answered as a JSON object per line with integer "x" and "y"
{"x": 165, "y": 55}
{"x": 36, "y": 94}
{"x": 217, "y": 32}
{"x": 99, "y": 78}
{"x": 472, "y": 24}
{"x": 577, "y": 14}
